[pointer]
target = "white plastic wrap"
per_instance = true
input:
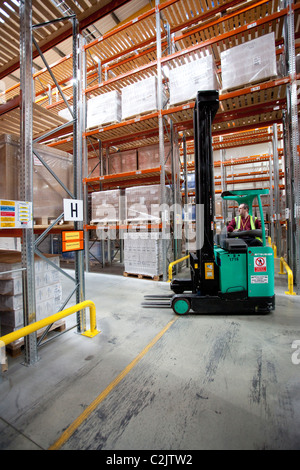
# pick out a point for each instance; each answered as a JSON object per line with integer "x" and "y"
{"x": 140, "y": 97}
{"x": 107, "y": 206}
{"x": 143, "y": 253}
{"x": 148, "y": 157}
{"x": 186, "y": 80}
{"x": 65, "y": 113}
{"x": 104, "y": 109}
{"x": 122, "y": 162}
{"x": 249, "y": 62}
{"x": 48, "y": 194}
{"x": 144, "y": 203}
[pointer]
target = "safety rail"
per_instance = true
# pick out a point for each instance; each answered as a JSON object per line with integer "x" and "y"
{"x": 283, "y": 263}
{"x": 274, "y": 247}
{"x": 173, "y": 264}
{"x": 32, "y": 327}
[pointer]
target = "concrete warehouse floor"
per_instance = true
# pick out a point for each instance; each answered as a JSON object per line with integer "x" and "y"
{"x": 207, "y": 382}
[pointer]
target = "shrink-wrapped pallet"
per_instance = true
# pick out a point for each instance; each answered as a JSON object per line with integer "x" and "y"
{"x": 249, "y": 62}
{"x": 143, "y": 253}
{"x": 148, "y": 157}
{"x": 143, "y": 203}
{"x": 107, "y": 206}
{"x": 122, "y": 162}
{"x": 104, "y": 109}
{"x": 48, "y": 289}
{"x": 48, "y": 194}
{"x": 186, "y": 80}
{"x": 140, "y": 97}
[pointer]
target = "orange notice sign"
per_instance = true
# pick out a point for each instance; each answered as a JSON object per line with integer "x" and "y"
{"x": 72, "y": 240}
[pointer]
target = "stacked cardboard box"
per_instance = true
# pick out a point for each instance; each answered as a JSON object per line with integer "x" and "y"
{"x": 143, "y": 253}
{"x": 186, "y": 80}
{"x": 47, "y": 285}
{"x": 144, "y": 203}
{"x": 148, "y": 157}
{"x": 107, "y": 206}
{"x": 249, "y": 62}
{"x": 122, "y": 162}
{"x": 104, "y": 109}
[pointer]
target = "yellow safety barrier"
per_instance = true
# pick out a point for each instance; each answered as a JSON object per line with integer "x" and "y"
{"x": 173, "y": 263}
{"x": 273, "y": 246}
{"x": 290, "y": 276}
{"x": 27, "y": 330}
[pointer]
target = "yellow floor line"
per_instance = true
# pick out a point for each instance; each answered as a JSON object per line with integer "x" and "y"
{"x": 86, "y": 413}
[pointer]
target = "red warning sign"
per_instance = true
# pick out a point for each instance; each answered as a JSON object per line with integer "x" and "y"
{"x": 260, "y": 264}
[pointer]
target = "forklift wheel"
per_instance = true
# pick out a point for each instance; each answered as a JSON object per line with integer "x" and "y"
{"x": 181, "y": 306}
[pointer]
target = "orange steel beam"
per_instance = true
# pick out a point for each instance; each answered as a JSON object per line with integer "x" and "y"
{"x": 249, "y": 127}
{"x": 122, "y": 124}
{"x": 258, "y": 87}
{"x": 128, "y": 174}
{"x": 83, "y": 23}
{"x": 227, "y": 35}
{"x": 188, "y": 50}
{"x": 224, "y": 18}
{"x": 121, "y": 77}
{"x": 10, "y": 105}
{"x": 151, "y": 12}
{"x": 236, "y": 161}
{"x": 248, "y": 173}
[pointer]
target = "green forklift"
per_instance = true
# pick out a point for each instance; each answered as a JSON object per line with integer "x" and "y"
{"x": 226, "y": 275}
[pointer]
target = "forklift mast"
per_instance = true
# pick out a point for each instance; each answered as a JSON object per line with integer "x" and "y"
{"x": 204, "y": 274}
{"x": 226, "y": 277}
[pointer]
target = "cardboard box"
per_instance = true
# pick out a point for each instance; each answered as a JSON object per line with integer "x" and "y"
{"x": 48, "y": 289}
{"x": 143, "y": 203}
{"x": 143, "y": 253}
{"x": 148, "y": 157}
{"x": 107, "y": 206}
{"x": 122, "y": 162}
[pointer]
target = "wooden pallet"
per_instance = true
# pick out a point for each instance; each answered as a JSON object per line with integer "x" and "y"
{"x": 251, "y": 85}
{"x": 189, "y": 102}
{"x": 143, "y": 276}
{"x": 16, "y": 348}
{"x": 139, "y": 115}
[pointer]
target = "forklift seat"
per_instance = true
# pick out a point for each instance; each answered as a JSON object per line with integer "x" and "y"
{"x": 235, "y": 245}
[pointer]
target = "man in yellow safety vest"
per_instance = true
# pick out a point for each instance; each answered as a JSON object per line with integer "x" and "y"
{"x": 245, "y": 222}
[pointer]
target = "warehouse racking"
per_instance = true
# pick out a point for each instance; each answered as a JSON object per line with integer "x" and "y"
{"x": 163, "y": 36}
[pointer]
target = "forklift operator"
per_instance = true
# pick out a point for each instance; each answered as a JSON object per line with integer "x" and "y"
{"x": 245, "y": 222}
